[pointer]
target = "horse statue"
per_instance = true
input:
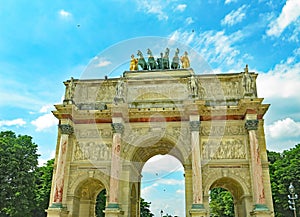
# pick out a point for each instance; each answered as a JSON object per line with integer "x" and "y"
{"x": 175, "y": 61}
{"x": 165, "y": 59}
{"x": 151, "y": 61}
{"x": 141, "y": 61}
{"x": 160, "y": 61}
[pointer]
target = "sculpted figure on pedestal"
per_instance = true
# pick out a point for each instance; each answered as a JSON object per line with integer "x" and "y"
{"x": 248, "y": 82}
{"x": 185, "y": 61}
{"x": 133, "y": 63}
{"x": 70, "y": 90}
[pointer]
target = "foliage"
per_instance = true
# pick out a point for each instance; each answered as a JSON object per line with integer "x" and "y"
{"x": 18, "y": 162}
{"x": 100, "y": 203}
{"x": 221, "y": 203}
{"x": 145, "y": 209}
{"x": 43, "y": 187}
{"x": 284, "y": 169}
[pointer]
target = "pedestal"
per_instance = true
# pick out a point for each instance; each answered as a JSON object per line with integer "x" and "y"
{"x": 113, "y": 210}
{"x": 57, "y": 212}
{"x": 261, "y": 210}
{"x": 198, "y": 210}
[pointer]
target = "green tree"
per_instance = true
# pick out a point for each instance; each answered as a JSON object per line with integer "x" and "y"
{"x": 43, "y": 187}
{"x": 284, "y": 169}
{"x": 221, "y": 203}
{"x": 18, "y": 162}
{"x": 145, "y": 209}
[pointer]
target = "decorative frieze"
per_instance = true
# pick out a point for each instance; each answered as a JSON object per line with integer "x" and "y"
{"x": 225, "y": 149}
{"x": 66, "y": 129}
{"x": 93, "y": 133}
{"x": 92, "y": 151}
{"x": 235, "y": 130}
{"x": 251, "y": 124}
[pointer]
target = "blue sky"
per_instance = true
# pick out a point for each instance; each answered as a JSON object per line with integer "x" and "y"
{"x": 43, "y": 43}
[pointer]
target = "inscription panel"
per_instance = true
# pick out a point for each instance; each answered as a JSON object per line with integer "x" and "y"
{"x": 158, "y": 91}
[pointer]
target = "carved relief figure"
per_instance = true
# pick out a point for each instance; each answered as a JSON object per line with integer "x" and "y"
{"x": 228, "y": 149}
{"x": 91, "y": 151}
{"x": 185, "y": 61}
{"x": 133, "y": 63}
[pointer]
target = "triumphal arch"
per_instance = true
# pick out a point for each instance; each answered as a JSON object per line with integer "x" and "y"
{"x": 108, "y": 128}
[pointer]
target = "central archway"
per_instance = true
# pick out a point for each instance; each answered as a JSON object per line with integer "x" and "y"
{"x": 162, "y": 184}
{"x": 160, "y": 166}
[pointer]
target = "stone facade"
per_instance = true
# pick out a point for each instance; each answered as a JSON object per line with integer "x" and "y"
{"x": 109, "y": 128}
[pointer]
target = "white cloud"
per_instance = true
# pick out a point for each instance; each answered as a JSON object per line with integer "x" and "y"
{"x": 180, "y": 191}
{"x": 234, "y": 17}
{"x": 103, "y": 62}
{"x": 46, "y": 108}
{"x": 230, "y": 1}
{"x": 153, "y": 7}
{"x": 15, "y": 122}
{"x": 290, "y": 13}
{"x": 281, "y": 82}
{"x": 180, "y": 7}
{"x": 44, "y": 122}
{"x": 64, "y": 13}
{"x": 189, "y": 20}
{"x": 284, "y": 128}
{"x": 215, "y": 47}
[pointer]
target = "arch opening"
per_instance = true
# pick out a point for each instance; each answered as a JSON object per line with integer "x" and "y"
{"x": 86, "y": 195}
{"x": 221, "y": 203}
{"x": 227, "y": 198}
{"x": 163, "y": 185}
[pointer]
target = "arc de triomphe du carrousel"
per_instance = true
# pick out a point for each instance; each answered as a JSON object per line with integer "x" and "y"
{"x": 108, "y": 129}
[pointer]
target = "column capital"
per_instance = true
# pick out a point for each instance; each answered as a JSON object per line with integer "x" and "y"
{"x": 66, "y": 129}
{"x": 251, "y": 124}
{"x": 195, "y": 125}
{"x": 117, "y": 127}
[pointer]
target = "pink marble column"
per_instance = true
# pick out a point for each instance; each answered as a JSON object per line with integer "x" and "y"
{"x": 65, "y": 130}
{"x": 258, "y": 185}
{"x": 196, "y": 164}
{"x": 115, "y": 164}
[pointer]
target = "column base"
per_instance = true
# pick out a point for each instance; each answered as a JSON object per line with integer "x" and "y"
{"x": 261, "y": 210}
{"x": 57, "y": 210}
{"x": 113, "y": 210}
{"x": 198, "y": 210}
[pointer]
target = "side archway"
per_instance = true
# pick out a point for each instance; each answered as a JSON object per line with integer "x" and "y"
{"x": 84, "y": 194}
{"x": 238, "y": 190}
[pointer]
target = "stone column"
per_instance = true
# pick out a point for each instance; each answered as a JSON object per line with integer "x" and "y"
{"x": 197, "y": 206}
{"x": 257, "y": 174}
{"x": 65, "y": 131}
{"x": 113, "y": 208}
